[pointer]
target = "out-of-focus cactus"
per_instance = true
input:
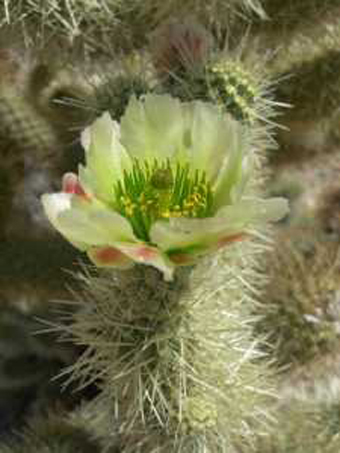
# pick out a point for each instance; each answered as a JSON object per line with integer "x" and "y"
{"x": 304, "y": 428}
{"x": 114, "y": 92}
{"x": 108, "y": 24}
{"x": 303, "y": 40}
{"x": 303, "y": 87}
{"x": 289, "y": 16}
{"x": 311, "y": 182}
{"x": 41, "y": 118}
{"x": 23, "y": 134}
{"x": 51, "y": 434}
{"x": 28, "y": 147}
{"x": 28, "y": 363}
{"x": 301, "y": 317}
{"x": 327, "y": 210}
{"x": 60, "y": 94}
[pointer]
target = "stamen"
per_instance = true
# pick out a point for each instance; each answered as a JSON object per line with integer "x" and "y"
{"x": 159, "y": 190}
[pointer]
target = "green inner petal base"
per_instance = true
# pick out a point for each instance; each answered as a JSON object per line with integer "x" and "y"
{"x": 160, "y": 190}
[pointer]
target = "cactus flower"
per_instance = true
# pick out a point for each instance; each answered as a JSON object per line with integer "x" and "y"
{"x": 164, "y": 187}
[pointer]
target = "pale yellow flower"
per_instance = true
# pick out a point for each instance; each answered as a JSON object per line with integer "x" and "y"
{"x": 163, "y": 188}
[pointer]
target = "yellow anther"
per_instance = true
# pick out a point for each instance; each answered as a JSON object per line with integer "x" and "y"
{"x": 196, "y": 197}
{"x": 166, "y": 214}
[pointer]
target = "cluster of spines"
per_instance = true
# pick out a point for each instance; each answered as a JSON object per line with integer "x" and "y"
{"x": 28, "y": 363}
{"x": 113, "y": 93}
{"x": 227, "y": 84}
{"x": 233, "y": 88}
{"x": 104, "y": 24}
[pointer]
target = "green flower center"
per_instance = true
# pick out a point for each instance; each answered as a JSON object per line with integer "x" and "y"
{"x": 157, "y": 190}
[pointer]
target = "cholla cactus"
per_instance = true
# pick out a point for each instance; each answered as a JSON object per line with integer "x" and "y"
{"x": 176, "y": 363}
{"x": 173, "y": 353}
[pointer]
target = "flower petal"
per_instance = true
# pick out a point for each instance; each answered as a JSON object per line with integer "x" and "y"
{"x": 109, "y": 257}
{"x": 181, "y": 233}
{"x": 106, "y": 158}
{"x": 95, "y": 227}
{"x": 55, "y": 205}
{"x": 144, "y": 254}
{"x": 71, "y": 184}
{"x": 235, "y": 168}
{"x": 200, "y": 234}
{"x": 153, "y": 127}
{"x": 184, "y": 256}
{"x": 213, "y": 136}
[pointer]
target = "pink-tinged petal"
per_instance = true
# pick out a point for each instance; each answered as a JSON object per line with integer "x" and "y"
{"x": 230, "y": 239}
{"x": 109, "y": 257}
{"x": 71, "y": 184}
{"x": 182, "y": 258}
{"x": 144, "y": 254}
{"x": 187, "y": 256}
{"x": 230, "y": 221}
{"x": 141, "y": 253}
